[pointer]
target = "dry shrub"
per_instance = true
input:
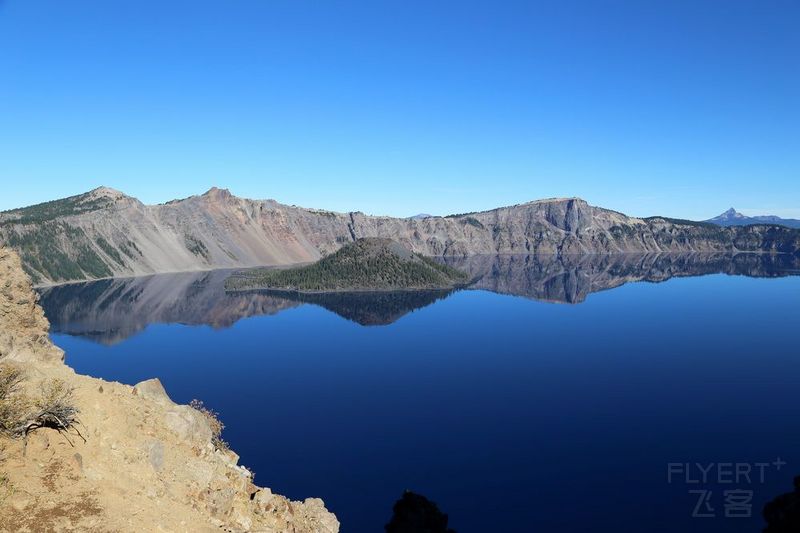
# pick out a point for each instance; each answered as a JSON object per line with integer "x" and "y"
{"x": 55, "y": 407}
{"x": 14, "y": 404}
{"x": 216, "y": 425}
{"x": 20, "y": 414}
{"x": 10, "y": 378}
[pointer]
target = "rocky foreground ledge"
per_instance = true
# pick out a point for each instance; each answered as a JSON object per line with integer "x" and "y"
{"x": 140, "y": 463}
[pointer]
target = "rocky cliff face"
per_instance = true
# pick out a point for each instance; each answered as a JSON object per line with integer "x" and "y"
{"x": 23, "y": 326}
{"x": 143, "y": 463}
{"x": 107, "y": 234}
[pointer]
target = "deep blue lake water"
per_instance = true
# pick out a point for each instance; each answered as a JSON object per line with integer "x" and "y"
{"x": 539, "y": 400}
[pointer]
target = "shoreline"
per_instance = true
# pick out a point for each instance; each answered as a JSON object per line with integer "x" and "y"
{"x": 133, "y": 460}
{"x": 293, "y": 265}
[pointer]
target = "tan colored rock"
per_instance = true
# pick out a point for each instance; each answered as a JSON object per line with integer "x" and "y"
{"x": 146, "y": 464}
{"x": 153, "y": 390}
{"x": 187, "y": 424}
{"x": 23, "y": 336}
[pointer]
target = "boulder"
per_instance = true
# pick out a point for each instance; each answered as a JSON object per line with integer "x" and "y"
{"x": 153, "y": 390}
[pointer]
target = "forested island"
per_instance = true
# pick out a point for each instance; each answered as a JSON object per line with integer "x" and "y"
{"x": 369, "y": 264}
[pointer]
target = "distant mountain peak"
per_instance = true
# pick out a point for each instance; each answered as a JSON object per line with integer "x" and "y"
{"x": 106, "y": 192}
{"x": 730, "y": 214}
{"x": 216, "y": 195}
{"x": 732, "y": 217}
{"x": 216, "y": 191}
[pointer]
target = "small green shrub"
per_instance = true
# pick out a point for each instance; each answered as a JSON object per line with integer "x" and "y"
{"x": 473, "y": 222}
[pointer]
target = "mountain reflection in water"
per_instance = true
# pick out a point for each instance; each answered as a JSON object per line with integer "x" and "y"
{"x": 110, "y": 311}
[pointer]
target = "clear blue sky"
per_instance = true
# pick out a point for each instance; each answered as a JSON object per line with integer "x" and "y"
{"x": 673, "y": 107}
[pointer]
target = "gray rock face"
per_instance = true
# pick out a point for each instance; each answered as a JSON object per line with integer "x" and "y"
{"x": 155, "y": 454}
{"x": 104, "y": 233}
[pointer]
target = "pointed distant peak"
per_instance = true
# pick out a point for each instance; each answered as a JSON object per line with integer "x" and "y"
{"x": 729, "y": 217}
{"x": 731, "y": 213}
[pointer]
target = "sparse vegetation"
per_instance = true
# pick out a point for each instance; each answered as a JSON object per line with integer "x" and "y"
{"x": 322, "y": 212}
{"x": 473, "y": 222}
{"x": 128, "y": 248}
{"x": 14, "y": 405}
{"x": 623, "y": 231}
{"x": 54, "y": 408}
{"x": 216, "y": 425}
{"x": 20, "y": 413}
{"x": 42, "y": 251}
{"x": 683, "y": 222}
{"x": 110, "y": 250}
{"x": 459, "y": 215}
{"x": 47, "y": 211}
{"x": 196, "y": 246}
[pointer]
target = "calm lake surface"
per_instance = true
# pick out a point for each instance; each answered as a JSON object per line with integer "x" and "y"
{"x": 538, "y": 400}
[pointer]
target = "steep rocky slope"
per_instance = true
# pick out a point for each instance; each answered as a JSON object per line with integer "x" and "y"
{"x": 23, "y": 326}
{"x": 143, "y": 463}
{"x": 104, "y": 233}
